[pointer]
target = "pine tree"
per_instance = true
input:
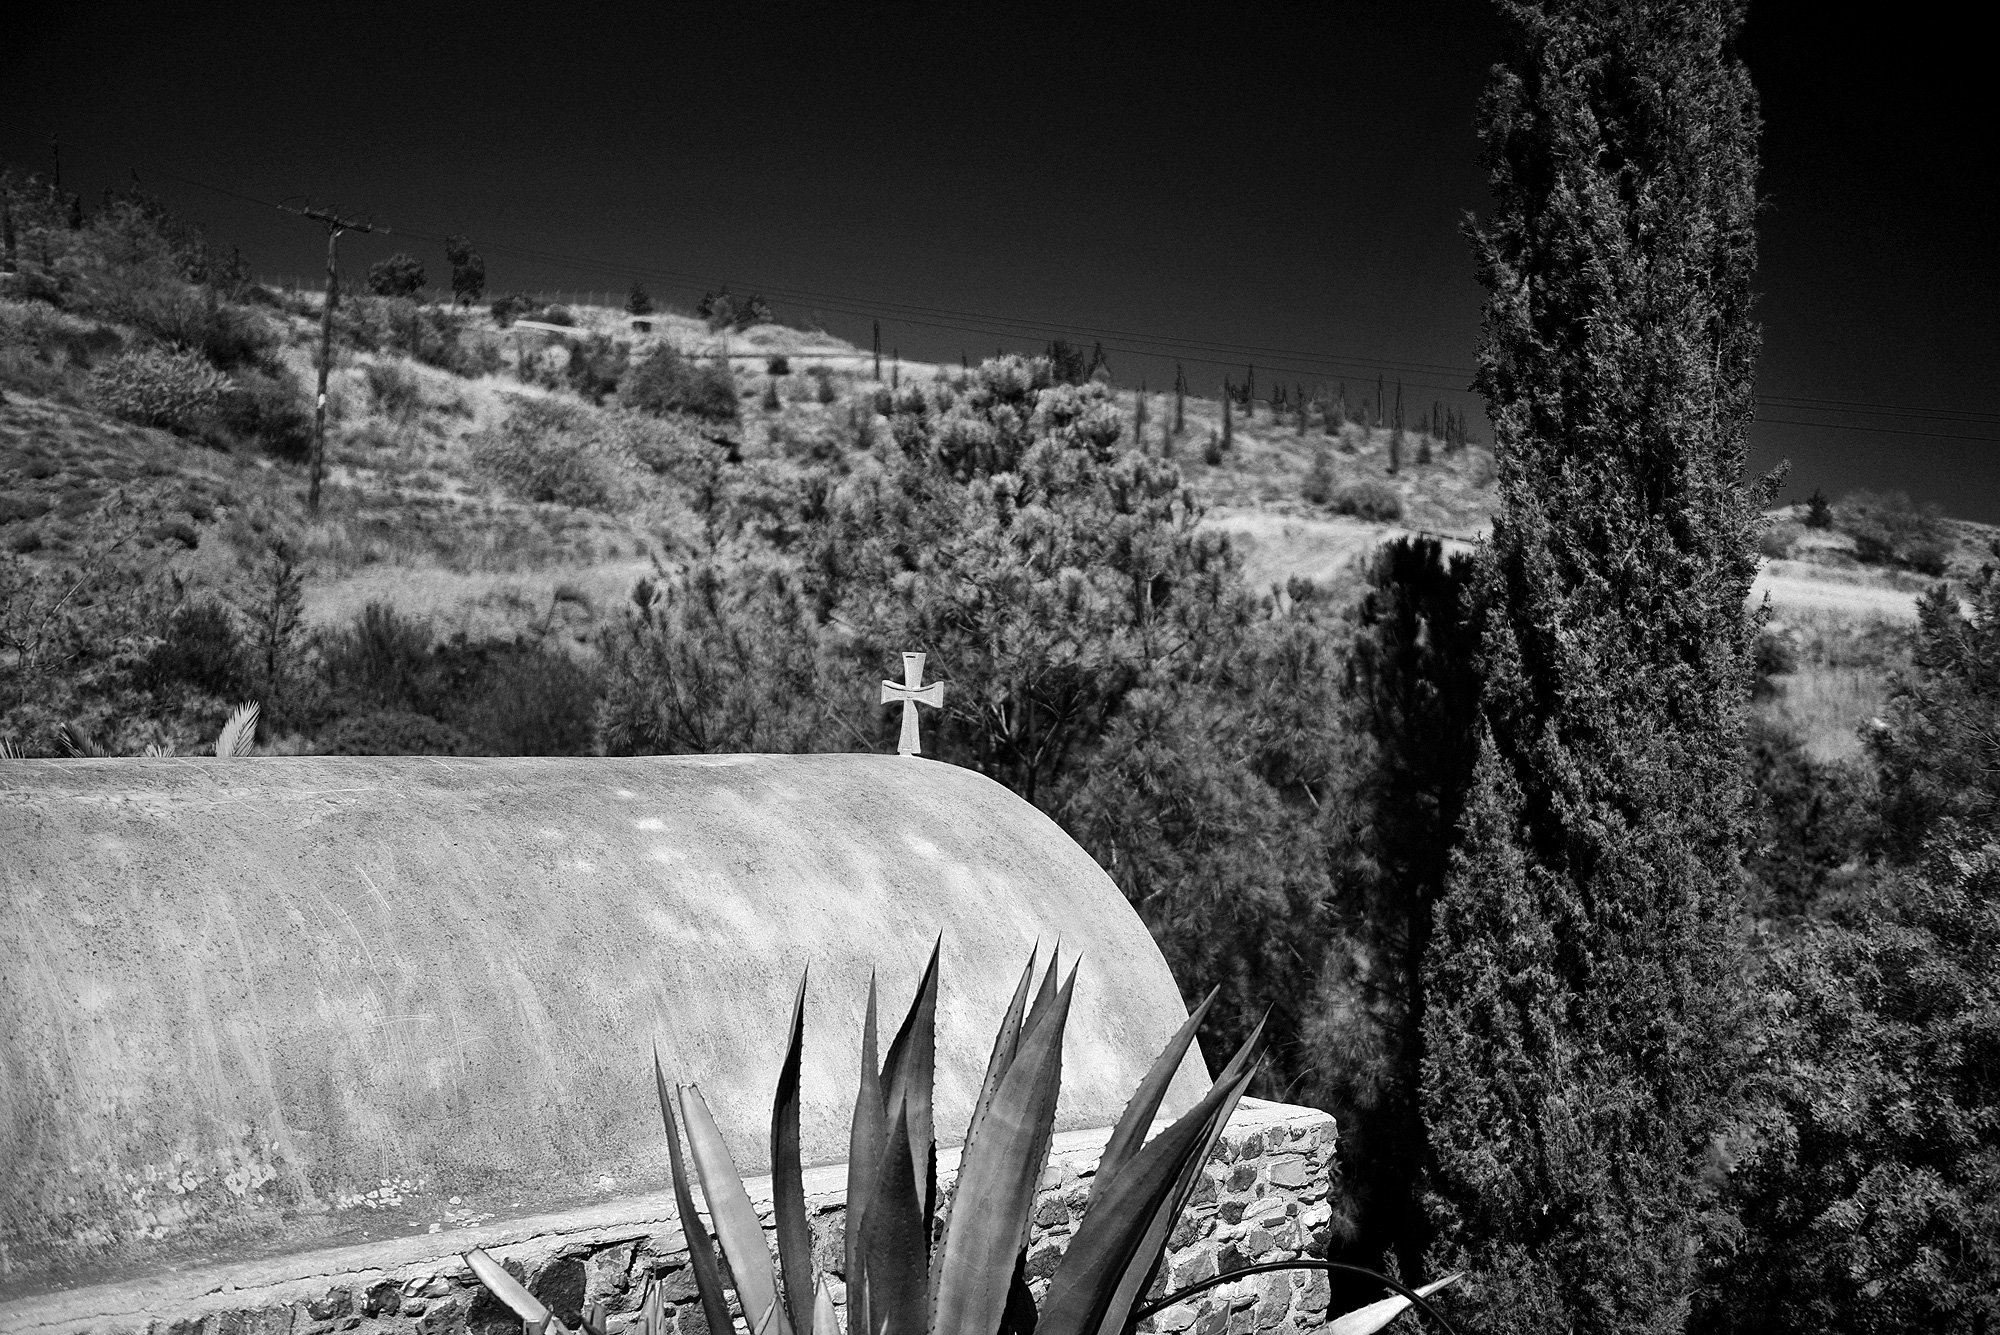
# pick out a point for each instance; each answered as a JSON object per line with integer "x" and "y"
{"x": 1582, "y": 1017}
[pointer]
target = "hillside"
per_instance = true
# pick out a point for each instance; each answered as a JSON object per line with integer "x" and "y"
{"x": 505, "y": 483}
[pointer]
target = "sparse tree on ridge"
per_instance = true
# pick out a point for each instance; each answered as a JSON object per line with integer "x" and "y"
{"x": 468, "y": 270}
{"x": 1583, "y": 1017}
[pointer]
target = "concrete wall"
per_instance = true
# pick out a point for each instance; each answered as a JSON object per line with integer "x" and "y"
{"x": 1264, "y": 1196}
{"x": 267, "y": 1006}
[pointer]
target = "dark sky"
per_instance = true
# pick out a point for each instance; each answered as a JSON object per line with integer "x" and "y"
{"x": 1236, "y": 185}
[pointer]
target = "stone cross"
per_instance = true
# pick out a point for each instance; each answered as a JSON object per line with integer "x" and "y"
{"x": 912, "y": 692}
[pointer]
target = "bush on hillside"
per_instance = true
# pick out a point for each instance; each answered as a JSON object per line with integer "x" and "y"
{"x": 596, "y": 365}
{"x": 269, "y": 413}
{"x": 1375, "y": 501}
{"x": 1889, "y": 528}
{"x": 176, "y": 391}
{"x": 394, "y": 391}
{"x": 392, "y": 733}
{"x": 546, "y": 451}
{"x": 401, "y": 275}
{"x": 201, "y": 650}
{"x": 530, "y": 701}
{"x": 666, "y": 381}
{"x": 510, "y": 308}
{"x": 1318, "y": 484}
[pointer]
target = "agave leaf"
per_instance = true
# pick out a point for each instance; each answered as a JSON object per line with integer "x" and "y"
{"x": 898, "y": 1261}
{"x": 907, "y": 1074}
{"x": 736, "y": 1222}
{"x": 1018, "y": 1317}
{"x": 701, "y": 1252}
{"x": 826, "y": 1321}
{"x": 1106, "y": 1243}
{"x": 1139, "y": 1278}
{"x": 999, "y": 1170}
{"x": 1005, "y": 1043}
{"x": 1137, "y": 1118}
{"x": 238, "y": 733}
{"x": 1367, "y": 1320}
{"x": 1152, "y": 1250}
{"x": 788, "y": 1189}
{"x": 508, "y": 1289}
{"x": 864, "y": 1152}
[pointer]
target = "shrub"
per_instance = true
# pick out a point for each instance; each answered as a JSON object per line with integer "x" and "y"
{"x": 558, "y": 315}
{"x": 825, "y": 393}
{"x": 189, "y": 320}
{"x": 510, "y": 308}
{"x": 665, "y": 381}
{"x": 268, "y": 412}
{"x": 394, "y": 391}
{"x": 754, "y": 311}
{"x": 468, "y": 270}
{"x": 1778, "y": 539}
{"x": 596, "y": 366}
{"x": 551, "y": 452}
{"x": 1375, "y": 501}
{"x": 531, "y": 701}
{"x": 202, "y": 650}
{"x": 380, "y": 661}
{"x": 400, "y": 275}
{"x": 1889, "y": 528}
{"x": 779, "y": 365}
{"x": 173, "y": 390}
{"x": 1318, "y": 485}
{"x": 392, "y": 733}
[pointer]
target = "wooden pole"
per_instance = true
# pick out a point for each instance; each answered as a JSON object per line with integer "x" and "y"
{"x": 334, "y": 225}
{"x": 325, "y": 364}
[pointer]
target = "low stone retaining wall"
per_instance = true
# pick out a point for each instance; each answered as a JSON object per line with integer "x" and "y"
{"x": 1263, "y": 1197}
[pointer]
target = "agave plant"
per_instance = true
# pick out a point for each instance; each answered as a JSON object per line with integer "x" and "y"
{"x": 973, "y": 1279}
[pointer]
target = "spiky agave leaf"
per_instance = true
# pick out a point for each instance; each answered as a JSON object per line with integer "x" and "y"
{"x": 1137, "y": 1118}
{"x": 1152, "y": 1250}
{"x": 735, "y": 1219}
{"x": 701, "y": 1252}
{"x": 788, "y": 1191}
{"x": 239, "y": 733}
{"x": 1367, "y": 1320}
{"x": 510, "y": 1291}
{"x": 908, "y": 1072}
{"x": 895, "y": 1254}
{"x": 864, "y": 1152}
{"x": 1000, "y": 1169}
{"x": 1105, "y": 1246}
{"x": 826, "y": 1321}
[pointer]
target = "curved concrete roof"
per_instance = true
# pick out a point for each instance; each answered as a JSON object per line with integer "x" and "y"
{"x": 253, "y": 1006}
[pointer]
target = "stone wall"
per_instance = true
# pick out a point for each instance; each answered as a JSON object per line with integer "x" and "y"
{"x": 1263, "y": 1197}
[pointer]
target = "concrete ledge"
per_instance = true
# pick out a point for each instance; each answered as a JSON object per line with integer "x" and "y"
{"x": 1264, "y": 1197}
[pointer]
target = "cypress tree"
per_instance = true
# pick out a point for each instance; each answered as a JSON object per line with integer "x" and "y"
{"x": 1582, "y": 1017}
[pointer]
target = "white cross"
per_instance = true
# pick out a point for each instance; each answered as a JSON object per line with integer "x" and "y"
{"x": 912, "y": 693}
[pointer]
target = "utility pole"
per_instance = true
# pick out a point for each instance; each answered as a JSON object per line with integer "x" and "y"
{"x": 335, "y": 225}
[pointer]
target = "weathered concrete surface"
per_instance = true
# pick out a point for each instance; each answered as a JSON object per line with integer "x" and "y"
{"x": 1263, "y": 1197}
{"x": 255, "y": 1007}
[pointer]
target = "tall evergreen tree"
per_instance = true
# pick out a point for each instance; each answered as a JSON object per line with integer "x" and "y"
{"x": 1582, "y": 1011}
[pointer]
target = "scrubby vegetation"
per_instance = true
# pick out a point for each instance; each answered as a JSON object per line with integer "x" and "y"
{"x": 595, "y": 538}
